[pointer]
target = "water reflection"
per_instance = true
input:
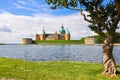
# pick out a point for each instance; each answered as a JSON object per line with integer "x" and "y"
{"x": 87, "y": 53}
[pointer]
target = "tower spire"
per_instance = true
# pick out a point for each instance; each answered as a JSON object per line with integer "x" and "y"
{"x": 43, "y": 31}
{"x": 62, "y": 31}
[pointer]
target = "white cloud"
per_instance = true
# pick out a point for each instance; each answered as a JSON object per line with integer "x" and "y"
{"x": 5, "y": 29}
{"x": 22, "y": 2}
{"x": 31, "y": 5}
{"x": 29, "y": 26}
{"x": 15, "y": 27}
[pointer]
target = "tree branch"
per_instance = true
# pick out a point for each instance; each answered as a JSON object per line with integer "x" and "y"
{"x": 102, "y": 34}
{"x": 117, "y": 4}
{"x": 117, "y": 19}
{"x": 97, "y": 17}
{"x": 79, "y": 9}
{"x": 87, "y": 19}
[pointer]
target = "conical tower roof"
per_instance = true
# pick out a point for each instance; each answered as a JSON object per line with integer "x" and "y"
{"x": 67, "y": 31}
{"x": 43, "y": 31}
{"x": 62, "y": 30}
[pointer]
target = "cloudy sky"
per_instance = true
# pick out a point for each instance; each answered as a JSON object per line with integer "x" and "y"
{"x": 26, "y": 18}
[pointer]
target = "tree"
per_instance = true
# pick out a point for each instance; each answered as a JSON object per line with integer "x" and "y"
{"x": 104, "y": 17}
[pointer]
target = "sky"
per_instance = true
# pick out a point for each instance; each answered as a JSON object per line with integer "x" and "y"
{"x": 26, "y": 18}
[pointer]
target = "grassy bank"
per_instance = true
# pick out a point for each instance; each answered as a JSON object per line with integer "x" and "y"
{"x": 60, "y": 41}
{"x": 58, "y": 70}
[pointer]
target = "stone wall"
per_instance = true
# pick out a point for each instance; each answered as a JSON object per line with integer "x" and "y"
{"x": 27, "y": 41}
{"x": 89, "y": 40}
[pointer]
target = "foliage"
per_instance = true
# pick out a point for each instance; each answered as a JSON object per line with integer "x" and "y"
{"x": 103, "y": 17}
{"x": 53, "y": 70}
{"x": 98, "y": 39}
{"x": 117, "y": 37}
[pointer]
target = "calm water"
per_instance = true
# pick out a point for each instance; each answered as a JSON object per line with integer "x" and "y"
{"x": 87, "y": 53}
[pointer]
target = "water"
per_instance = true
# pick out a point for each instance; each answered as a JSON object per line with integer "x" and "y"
{"x": 86, "y": 53}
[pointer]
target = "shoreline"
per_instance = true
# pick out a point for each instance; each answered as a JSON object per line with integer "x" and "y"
{"x": 115, "y": 44}
{"x": 57, "y": 43}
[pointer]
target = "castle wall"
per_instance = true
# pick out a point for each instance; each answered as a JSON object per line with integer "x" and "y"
{"x": 42, "y": 36}
{"x": 27, "y": 41}
{"x": 37, "y": 37}
{"x": 89, "y": 40}
{"x": 67, "y": 36}
{"x": 61, "y": 37}
{"x": 50, "y": 39}
{"x": 56, "y": 36}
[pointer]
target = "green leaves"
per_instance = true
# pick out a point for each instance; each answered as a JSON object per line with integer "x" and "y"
{"x": 93, "y": 28}
{"x": 73, "y": 3}
{"x": 104, "y": 14}
{"x": 49, "y": 1}
{"x": 62, "y": 3}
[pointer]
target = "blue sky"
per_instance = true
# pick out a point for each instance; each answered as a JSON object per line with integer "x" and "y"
{"x": 30, "y": 7}
{"x": 26, "y": 18}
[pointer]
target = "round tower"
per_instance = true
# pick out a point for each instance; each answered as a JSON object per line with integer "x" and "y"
{"x": 42, "y": 35}
{"x": 27, "y": 41}
{"x": 67, "y": 35}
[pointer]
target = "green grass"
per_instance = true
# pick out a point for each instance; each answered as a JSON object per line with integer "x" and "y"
{"x": 53, "y": 70}
{"x": 60, "y": 41}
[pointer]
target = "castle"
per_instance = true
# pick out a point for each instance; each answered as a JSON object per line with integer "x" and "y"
{"x": 62, "y": 35}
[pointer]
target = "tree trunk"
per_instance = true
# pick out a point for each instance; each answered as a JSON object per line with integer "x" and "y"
{"x": 108, "y": 59}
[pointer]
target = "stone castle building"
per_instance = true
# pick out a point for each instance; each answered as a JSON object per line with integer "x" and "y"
{"x": 26, "y": 40}
{"x": 89, "y": 40}
{"x": 62, "y": 35}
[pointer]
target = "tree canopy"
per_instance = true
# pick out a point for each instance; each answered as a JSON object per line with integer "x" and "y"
{"x": 103, "y": 16}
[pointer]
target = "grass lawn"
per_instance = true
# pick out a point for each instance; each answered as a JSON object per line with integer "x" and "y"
{"x": 59, "y": 41}
{"x": 14, "y": 69}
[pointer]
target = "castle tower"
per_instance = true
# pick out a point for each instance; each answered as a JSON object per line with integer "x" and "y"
{"x": 67, "y": 35}
{"x": 26, "y": 40}
{"x": 42, "y": 35}
{"x": 37, "y": 37}
{"x": 62, "y": 30}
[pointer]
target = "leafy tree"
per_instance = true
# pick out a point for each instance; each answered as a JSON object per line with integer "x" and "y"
{"x": 98, "y": 39}
{"x": 103, "y": 18}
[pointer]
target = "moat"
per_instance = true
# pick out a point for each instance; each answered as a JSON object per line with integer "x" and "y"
{"x": 85, "y": 53}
